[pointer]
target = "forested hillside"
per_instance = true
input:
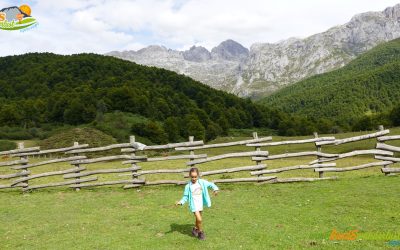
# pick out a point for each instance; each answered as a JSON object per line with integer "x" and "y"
{"x": 43, "y": 89}
{"x": 369, "y": 85}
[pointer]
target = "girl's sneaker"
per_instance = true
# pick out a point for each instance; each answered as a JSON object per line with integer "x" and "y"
{"x": 201, "y": 236}
{"x": 195, "y": 232}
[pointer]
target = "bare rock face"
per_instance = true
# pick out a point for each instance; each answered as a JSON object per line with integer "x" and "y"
{"x": 197, "y": 62}
{"x": 268, "y": 67}
{"x": 197, "y": 54}
{"x": 230, "y": 50}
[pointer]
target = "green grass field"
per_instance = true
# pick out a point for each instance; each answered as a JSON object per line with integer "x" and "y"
{"x": 242, "y": 216}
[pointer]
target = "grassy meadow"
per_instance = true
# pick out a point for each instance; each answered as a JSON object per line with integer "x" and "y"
{"x": 242, "y": 216}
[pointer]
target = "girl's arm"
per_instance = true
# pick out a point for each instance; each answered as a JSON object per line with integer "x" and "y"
{"x": 185, "y": 195}
{"x": 211, "y": 185}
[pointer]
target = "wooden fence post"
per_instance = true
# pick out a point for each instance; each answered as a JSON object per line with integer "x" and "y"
{"x": 319, "y": 149}
{"x": 191, "y": 152}
{"x": 76, "y": 144}
{"x": 257, "y": 148}
{"x": 132, "y": 139}
{"x": 381, "y": 128}
{"x": 21, "y": 146}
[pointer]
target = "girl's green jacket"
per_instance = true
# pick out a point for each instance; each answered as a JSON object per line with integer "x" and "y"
{"x": 187, "y": 195}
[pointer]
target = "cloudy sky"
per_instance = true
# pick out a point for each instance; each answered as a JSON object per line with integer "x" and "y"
{"x": 100, "y": 26}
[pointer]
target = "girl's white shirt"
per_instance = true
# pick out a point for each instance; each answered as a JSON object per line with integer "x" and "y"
{"x": 197, "y": 196}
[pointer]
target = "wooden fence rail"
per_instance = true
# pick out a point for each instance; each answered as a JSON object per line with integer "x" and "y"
{"x": 73, "y": 155}
{"x": 19, "y": 150}
{"x": 50, "y": 151}
{"x": 230, "y": 170}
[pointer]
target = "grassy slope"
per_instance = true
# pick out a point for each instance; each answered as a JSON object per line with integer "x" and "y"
{"x": 297, "y": 215}
{"x": 368, "y": 84}
{"x": 285, "y": 216}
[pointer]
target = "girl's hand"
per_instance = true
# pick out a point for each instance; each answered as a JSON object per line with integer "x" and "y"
{"x": 177, "y": 203}
{"x": 215, "y": 192}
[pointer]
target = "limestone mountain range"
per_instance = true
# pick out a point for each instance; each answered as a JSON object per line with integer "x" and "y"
{"x": 267, "y": 67}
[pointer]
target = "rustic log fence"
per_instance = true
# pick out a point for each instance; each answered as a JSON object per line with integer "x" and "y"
{"x": 78, "y": 176}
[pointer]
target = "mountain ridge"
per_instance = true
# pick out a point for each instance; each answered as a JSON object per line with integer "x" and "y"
{"x": 369, "y": 84}
{"x": 271, "y": 66}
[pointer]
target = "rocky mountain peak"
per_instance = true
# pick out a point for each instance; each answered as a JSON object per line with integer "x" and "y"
{"x": 197, "y": 54}
{"x": 230, "y": 50}
{"x": 153, "y": 49}
{"x": 393, "y": 12}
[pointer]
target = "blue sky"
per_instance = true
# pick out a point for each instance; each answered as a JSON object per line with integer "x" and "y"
{"x": 75, "y": 26}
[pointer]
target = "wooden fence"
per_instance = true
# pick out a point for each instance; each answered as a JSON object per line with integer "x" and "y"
{"x": 77, "y": 176}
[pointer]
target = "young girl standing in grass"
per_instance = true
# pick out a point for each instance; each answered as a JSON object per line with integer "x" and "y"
{"x": 196, "y": 192}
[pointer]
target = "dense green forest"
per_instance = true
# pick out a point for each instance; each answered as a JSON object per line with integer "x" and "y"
{"x": 43, "y": 91}
{"x": 358, "y": 96}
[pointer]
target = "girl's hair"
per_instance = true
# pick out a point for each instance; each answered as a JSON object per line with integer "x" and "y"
{"x": 194, "y": 170}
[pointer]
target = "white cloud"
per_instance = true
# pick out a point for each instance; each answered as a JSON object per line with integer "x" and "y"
{"x": 73, "y": 26}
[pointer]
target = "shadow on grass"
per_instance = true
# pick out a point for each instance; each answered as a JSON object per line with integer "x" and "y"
{"x": 185, "y": 229}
